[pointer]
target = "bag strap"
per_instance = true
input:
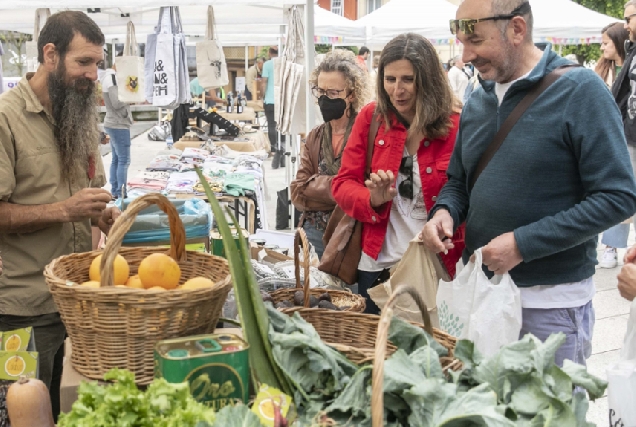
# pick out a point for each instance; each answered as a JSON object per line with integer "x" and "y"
{"x": 373, "y": 132}
{"x": 130, "y": 47}
{"x": 512, "y": 119}
{"x": 211, "y": 27}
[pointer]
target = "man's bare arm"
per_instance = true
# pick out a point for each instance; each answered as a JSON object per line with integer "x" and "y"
{"x": 87, "y": 203}
{"x": 16, "y": 219}
{"x": 263, "y": 85}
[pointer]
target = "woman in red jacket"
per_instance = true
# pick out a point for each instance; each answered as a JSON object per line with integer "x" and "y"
{"x": 411, "y": 152}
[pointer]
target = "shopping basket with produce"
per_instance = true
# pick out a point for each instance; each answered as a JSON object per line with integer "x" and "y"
{"x": 118, "y": 326}
{"x": 354, "y": 334}
{"x": 306, "y": 297}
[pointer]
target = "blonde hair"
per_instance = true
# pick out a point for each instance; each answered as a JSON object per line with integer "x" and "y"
{"x": 435, "y": 102}
{"x": 344, "y": 61}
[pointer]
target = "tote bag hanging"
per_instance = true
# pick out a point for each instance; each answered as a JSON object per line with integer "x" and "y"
{"x": 164, "y": 67}
{"x": 211, "y": 65}
{"x": 32, "y": 63}
{"x": 130, "y": 71}
{"x": 622, "y": 379}
{"x": 181, "y": 55}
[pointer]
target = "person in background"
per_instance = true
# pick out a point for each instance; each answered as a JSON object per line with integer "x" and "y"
{"x": 117, "y": 123}
{"x": 212, "y": 96}
{"x": 341, "y": 89}
{"x": 416, "y": 136}
{"x": 267, "y": 87}
{"x": 51, "y": 174}
{"x": 609, "y": 66}
{"x": 251, "y": 77}
{"x": 473, "y": 84}
{"x": 373, "y": 76}
{"x": 458, "y": 77}
{"x": 544, "y": 235}
{"x": 363, "y": 55}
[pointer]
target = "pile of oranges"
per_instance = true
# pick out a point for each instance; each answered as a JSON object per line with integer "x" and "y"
{"x": 157, "y": 272}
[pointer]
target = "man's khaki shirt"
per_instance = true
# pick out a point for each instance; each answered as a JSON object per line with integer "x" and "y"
{"x": 30, "y": 174}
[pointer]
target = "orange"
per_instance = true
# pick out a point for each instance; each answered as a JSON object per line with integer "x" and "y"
{"x": 159, "y": 270}
{"x": 198, "y": 283}
{"x": 121, "y": 268}
{"x": 91, "y": 284}
{"x": 134, "y": 282}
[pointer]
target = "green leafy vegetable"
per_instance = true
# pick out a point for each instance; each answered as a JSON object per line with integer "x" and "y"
{"x": 122, "y": 404}
{"x": 237, "y": 416}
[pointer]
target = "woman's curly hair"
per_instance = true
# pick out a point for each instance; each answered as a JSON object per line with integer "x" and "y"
{"x": 357, "y": 80}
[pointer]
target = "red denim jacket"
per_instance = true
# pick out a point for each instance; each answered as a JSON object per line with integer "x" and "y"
{"x": 354, "y": 198}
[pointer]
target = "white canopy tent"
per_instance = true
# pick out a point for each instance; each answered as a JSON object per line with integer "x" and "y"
{"x": 566, "y": 22}
{"x": 239, "y": 22}
{"x": 556, "y": 21}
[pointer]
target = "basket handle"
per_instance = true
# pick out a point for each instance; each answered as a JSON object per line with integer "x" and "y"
{"x": 377, "y": 384}
{"x": 125, "y": 221}
{"x": 300, "y": 240}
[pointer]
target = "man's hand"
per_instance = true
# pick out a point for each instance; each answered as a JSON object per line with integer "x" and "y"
{"x": 502, "y": 254}
{"x": 86, "y": 203}
{"x": 630, "y": 255}
{"x": 108, "y": 218}
{"x": 438, "y": 231}
{"x": 627, "y": 281}
{"x": 380, "y": 185}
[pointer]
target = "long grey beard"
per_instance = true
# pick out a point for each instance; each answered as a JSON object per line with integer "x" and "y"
{"x": 76, "y": 132}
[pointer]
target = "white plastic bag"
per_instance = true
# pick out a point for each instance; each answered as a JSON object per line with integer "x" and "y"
{"x": 485, "y": 311}
{"x": 131, "y": 86}
{"x": 211, "y": 65}
{"x": 621, "y": 376}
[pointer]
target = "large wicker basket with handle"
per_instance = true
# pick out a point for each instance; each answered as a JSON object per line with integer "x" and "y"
{"x": 354, "y": 334}
{"x": 346, "y": 301}
{"x": 118, "y": 327}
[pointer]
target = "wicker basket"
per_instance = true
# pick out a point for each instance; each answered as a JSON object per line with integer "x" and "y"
{"x": 354, "y": 334}
{"x": 380, "y": 352}
{"x": 341, "y": 299}
{"x": 118, "y": 327}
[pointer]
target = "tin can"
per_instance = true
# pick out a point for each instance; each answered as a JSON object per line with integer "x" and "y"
{"x": 216, "y": 367}
{"x": 217, "y": 241}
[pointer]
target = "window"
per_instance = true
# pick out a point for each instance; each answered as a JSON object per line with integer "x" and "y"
{"x": 336, "y": 7}
{"x": 373, "y": 5}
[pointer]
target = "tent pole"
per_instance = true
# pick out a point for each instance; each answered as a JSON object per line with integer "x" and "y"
{"x": 310, "y": 52}
{"x": 247, "y": 63}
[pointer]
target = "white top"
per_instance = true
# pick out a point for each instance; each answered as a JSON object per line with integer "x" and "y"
{"x": 406, "y": 220}
{"x": 459, "y": 81}
{"x": 566, "y": 295}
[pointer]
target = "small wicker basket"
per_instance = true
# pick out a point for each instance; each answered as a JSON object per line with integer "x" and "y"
{"x": 344, "y": 300}
{"x": 354, "y": 334}
{"x": 118, "y": 327}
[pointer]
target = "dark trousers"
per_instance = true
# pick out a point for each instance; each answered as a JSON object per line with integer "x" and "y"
{"x": 271, "y": 129}
{"x": 49, "y": 333}
{"x": 366, "y": 281}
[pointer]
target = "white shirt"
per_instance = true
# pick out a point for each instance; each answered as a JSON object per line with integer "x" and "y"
{"x": 565, "y": 295}
{"x": 406, "y": 220}
{"x": 458, "y": 80}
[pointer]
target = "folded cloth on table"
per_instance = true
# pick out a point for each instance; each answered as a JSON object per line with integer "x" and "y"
{"x": 147, "y": 183}
{"x": 195, "y": 153}
{"x": 236, "y": 184}
{"x": 182, "y": 182}
{"x": 165, "y": 163}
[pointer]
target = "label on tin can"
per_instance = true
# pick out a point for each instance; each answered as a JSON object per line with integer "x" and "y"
{"x": 219, "y": 391}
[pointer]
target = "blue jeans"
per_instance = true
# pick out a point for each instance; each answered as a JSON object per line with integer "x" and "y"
{"x": 576, "y": 323}
{"x": 315, "y": 238}
{"x": 616, "y": 237}
{"x": 120, "y": 143}
{"x": 366, "y": 281}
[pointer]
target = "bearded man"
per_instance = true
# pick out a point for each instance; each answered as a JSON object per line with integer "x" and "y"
{"x": 50, "y": 178}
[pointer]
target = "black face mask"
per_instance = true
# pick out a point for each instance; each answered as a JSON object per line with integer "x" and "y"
{"x": 331, "y": 109}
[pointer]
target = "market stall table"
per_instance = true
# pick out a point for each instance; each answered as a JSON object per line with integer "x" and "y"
{"x": 242, "y": 206}
{"x": 246, "y": 143}
{"x": 248, "y": 115}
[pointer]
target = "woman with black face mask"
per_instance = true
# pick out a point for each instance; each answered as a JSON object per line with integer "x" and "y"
{"x": 418, "y": 122}
{"x": 341, "y": 88}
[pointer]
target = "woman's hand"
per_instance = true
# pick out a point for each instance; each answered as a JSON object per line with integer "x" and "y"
{"x": 380, "y": 185}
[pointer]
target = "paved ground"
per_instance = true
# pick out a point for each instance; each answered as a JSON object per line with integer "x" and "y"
{"x": 611, "y": 310}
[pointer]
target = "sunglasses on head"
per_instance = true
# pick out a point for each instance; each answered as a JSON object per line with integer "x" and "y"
{"x": 406, "y": 187}
{"x": 467, "y": 26}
